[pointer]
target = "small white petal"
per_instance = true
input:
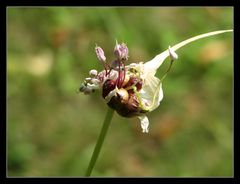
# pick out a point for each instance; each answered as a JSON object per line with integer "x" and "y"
{"x": 88, "y": 79}
{"x": 92, "y": 86}
{"x": 95, "y": 81}
{"x": 93, "y": 73}
{"x": 86, "y": 90}
{"x": 144, "y": 123}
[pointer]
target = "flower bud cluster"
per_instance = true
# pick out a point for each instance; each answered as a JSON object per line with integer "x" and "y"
{"x": 90, "y": 83}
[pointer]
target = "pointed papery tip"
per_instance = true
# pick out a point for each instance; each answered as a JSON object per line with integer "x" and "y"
{"x": 172, "y": 54}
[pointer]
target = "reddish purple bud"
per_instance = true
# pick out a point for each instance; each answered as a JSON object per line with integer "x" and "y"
{"x": 121, "y": 51}
{"x": 125, "y": 101}
{"x": 126, "y": 108}
{"x": 100, "y": 54}
{"x": 108, "y": 86}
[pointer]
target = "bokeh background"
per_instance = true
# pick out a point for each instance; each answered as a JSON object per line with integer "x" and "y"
{"x": 52, "y": 129}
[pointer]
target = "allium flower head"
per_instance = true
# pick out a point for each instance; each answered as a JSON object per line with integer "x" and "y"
{"x": 132, "y": 90}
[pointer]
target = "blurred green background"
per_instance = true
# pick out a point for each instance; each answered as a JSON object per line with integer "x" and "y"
{"x": 52, "y": 130}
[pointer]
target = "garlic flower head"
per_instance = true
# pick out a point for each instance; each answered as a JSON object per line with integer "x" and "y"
{"x": 132, "y": 90}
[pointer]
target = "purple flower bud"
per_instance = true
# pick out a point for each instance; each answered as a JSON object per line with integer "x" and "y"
{"x": 100, "y": 54}
{"x": 121, "y": 51}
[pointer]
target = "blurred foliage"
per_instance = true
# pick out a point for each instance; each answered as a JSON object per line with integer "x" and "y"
{"x": 52, "y": 130}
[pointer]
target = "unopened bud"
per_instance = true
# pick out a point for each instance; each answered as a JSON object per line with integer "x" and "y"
{"x": 93, "y": 73}
{"x": 100, "y": 54}
{"x": 172, "y": 54}
{"x": 121, "y": 51}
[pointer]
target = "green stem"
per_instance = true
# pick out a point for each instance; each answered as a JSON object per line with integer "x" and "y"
{"x": 100, "y": 140}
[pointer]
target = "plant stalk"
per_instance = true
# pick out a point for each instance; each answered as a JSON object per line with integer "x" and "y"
{"x": 100, "y": 141}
